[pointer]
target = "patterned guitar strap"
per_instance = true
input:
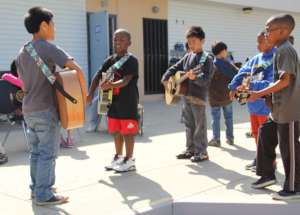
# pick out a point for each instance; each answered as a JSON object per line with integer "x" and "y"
{"x": 46, "y": 71}
{"x": 116, "y": 66}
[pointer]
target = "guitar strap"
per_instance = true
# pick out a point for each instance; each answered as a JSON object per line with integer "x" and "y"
{"x": 46, "y": 71}
{"x": 116, "y": 66}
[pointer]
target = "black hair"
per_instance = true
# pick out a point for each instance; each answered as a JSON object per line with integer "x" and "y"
{"x": 291, "y": 39}
{"x": 35, "y": 16}
{"x": 13, "y": 68}
{"x": 195, "y": 31}
{"x": 124, "y": 32}
{"x": 186, "y": 46}
{"x": 217, "y": 47}
{"x": 283, "y": 19}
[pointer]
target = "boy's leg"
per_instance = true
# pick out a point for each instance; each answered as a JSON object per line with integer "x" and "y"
{"x": 290, "y": 150}
{"x": 200, "y": 133}
{"x": 188, "y": 119}
{"x": 119, "y": 142}
{"x": 129, "y": 145}
{"x": 46, "y": 128}
{"x": 267, "y": 142}
{"x": 228, "y": 116}
{"x": 215, "y": 123}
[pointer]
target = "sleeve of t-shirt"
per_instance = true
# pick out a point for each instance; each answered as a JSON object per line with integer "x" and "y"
{"x": 57, "y": 55}
{"x": 132, "y": 67}
{"x": 286, "y": 62}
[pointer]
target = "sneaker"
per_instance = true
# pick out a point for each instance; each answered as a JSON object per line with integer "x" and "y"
{"x": 55, "y": 200}
{"x": 3, "y": 158}
{"x": 230, "y": 142}
{"x": 214, "y": 142}
{"x": 286, "y": 195}
{"x": 264, "y": 182}
{"x": 127, "y": 165}
{"x": 199, "y": 157}
{"x": 53, "y": 189}
{"x": 118, "y": 159}
{"x": 185, "y": 155}
{"x": 249, "y": 134}
{"x": 251, "y": 165}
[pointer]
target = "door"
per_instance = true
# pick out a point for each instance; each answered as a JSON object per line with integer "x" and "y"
{"x": 98, "y": 41}
{"x": 155, "y": 54}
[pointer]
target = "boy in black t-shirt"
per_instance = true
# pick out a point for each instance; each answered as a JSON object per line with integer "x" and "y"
{"x": 122, "y": 113}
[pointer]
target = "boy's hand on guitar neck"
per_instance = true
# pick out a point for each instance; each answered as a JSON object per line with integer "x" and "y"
{"x": 106, "y": 85}
{"x": 191, "y": 75}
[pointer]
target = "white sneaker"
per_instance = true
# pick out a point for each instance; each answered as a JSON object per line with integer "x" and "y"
{"x": 126, "y": 165}
{"x": 118, "y": 159}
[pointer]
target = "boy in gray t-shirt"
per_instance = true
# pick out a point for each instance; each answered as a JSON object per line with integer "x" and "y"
{"x": 285, "y": 101}
{"x": 39, "y": 107}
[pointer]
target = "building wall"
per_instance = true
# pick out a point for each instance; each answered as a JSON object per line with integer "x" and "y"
{"x": 70, "y": 24}
{"x": 286, "y": 5}
{"x": 221, "y": 22}
{"x": 130, "y": 14}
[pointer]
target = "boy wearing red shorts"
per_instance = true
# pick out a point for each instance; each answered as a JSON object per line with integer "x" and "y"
{"x": 122, "y": 113}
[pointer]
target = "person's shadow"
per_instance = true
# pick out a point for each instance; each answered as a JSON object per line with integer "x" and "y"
{"x": 231, "y": 179}
{"x": 49, "y": 210}
{"x": 136, "y": 189}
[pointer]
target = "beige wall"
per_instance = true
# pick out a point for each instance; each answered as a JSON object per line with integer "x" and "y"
{"x": 130, "y": 14}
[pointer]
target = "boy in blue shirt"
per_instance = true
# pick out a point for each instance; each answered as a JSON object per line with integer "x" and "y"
{"x": 260, "y": 69}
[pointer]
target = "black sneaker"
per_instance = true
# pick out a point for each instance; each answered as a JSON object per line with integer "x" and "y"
{"x": 3, "y": 158}
{"x": 251, "y": 165}
{"x": 264, "y": 182}
{"x": 185, "y": 155}
{"x": 286, "y": 195}
{"x": 230, "y": 142}
{"x": 55, "y": 200}
{"x": 199, "y": 157}
{"x": 214, "y": 142}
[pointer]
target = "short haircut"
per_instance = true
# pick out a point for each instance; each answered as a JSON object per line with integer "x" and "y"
{"x": 217, "y": 47}
{"x": 195, "y": 31}
{"x": 261, "y": 34}
{"x": 291, "y": 39}
{"x": 35, "y": 16}
{"x": 13, "y": 68}
{"x": 124, "y": 32}
{"x": 283, "y": 19}
{"x": 186, "y": 45}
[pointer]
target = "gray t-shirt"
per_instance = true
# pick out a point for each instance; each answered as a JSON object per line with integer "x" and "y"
{"x": 39, "y": 94}
{"x": 286, "y": 103}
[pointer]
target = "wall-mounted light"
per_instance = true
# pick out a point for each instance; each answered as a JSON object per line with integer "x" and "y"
{"x": 155, "y": 9}
{"x": 247, "y": 10}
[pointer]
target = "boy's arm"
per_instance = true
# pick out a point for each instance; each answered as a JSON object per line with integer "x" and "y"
{"x": 279, "y": 85}
{"x": 238, "y": 78}
{"x": 262, "y": 84}
{"x": 130, "y": 71}
{"x": 286, "y": 62}
{"x": 204, "y": 77}
{"x": 173, "y": 69}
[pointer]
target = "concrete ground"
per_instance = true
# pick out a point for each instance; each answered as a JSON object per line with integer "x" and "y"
{"x": 161, "y": 185}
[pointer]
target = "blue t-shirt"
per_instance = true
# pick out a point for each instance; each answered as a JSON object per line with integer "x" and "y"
{"x": 261, "y": 68}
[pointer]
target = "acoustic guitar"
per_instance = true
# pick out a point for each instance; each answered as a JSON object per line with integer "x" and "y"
{"x": 177, "y": 86}
{"x": 72, "y": 114}
{"x": 105, "y": 96}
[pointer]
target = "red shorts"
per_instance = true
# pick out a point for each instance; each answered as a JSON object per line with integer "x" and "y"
{"x": 123, "y": 126}
{"x": 256, "y": 122}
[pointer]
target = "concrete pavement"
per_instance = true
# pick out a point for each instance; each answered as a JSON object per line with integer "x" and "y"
{"x": 161, "y": 184}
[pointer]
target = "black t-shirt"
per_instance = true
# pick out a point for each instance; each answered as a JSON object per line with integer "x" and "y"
{"x": 125, "y": 99}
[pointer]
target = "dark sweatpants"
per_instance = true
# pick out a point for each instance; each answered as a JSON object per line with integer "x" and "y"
{"x": 287, "y": 135}
{"x": 267, "y": 142}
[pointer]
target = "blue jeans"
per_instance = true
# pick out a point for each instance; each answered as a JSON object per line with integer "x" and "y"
{"x": 43, "y": 135}
{"x": 216, "y": 114}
